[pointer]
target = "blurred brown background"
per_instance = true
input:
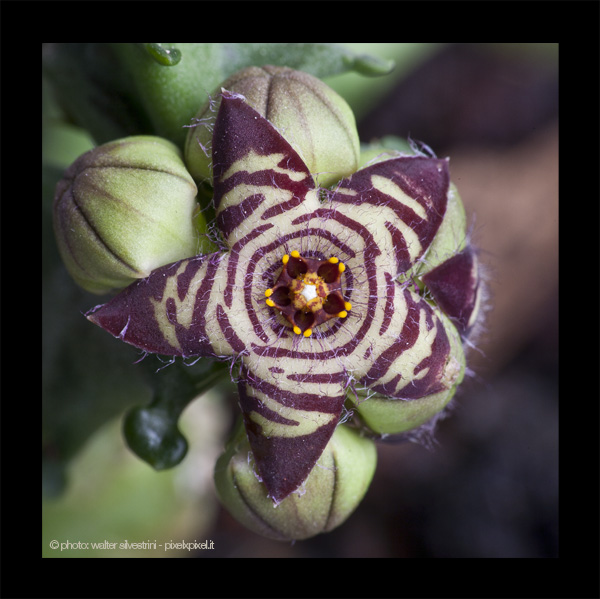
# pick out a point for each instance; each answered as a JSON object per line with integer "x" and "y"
{"x": 489, "y": 486}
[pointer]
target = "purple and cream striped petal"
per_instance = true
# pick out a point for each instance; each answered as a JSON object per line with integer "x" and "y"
{"x": 411, "y": 357}
{"x": 289, "y": 423}
{"x": 402, "y": 202}
{"x": 173, "y": 311}
{"x": 259, "y": 179}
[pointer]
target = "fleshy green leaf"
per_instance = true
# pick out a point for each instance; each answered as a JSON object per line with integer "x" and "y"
{"x": 320, "y": 60}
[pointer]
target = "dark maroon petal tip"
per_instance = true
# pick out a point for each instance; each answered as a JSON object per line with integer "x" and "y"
{"x": 288, "y": 431}
{"x": 454, "y": 285}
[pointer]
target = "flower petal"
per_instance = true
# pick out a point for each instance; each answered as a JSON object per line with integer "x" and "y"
{"x": 288, "y": 425}
{"x": 454, "y": 285}
{"x": 258, "y": 176}
{"x": 172, "y": 311}
{"x": 411, "y": 357}
{"x": 402, "y": 202}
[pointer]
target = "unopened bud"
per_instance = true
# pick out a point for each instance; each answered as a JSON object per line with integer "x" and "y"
{"x": 331, "y": 492}
{"x": 313, "y": 118}
{"x": 122, "y": 210}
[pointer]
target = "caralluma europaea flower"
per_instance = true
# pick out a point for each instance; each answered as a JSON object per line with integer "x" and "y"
{"x": 319, "y": 295}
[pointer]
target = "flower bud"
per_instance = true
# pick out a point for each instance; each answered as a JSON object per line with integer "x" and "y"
{"x": 124, "y": 209}
{"x": 313, "y": 118}
{"x": 328, "y": 496}
{"x": 386, "y": 416}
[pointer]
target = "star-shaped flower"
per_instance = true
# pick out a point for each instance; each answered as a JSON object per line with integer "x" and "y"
{"x": 305, "y": 294}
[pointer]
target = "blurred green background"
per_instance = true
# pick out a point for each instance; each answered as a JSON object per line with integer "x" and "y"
{"x": 489, "y": 487}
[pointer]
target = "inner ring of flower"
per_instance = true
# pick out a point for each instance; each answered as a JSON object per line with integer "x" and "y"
{"x": 308, "y": 292}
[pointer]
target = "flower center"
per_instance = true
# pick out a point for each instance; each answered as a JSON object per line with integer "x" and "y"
{"x": 308, "y": 292}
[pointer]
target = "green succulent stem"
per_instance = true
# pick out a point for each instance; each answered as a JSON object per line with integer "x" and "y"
{"x": 152, "y": 431}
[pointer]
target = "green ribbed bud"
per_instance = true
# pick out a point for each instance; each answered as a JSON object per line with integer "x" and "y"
{"x": 123, "y": 209}
{"x": 313, "y": 118}
{"x": 332, "y": 491}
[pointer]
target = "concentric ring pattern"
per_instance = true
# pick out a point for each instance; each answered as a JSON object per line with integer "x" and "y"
{"x": 379, "y": 223}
